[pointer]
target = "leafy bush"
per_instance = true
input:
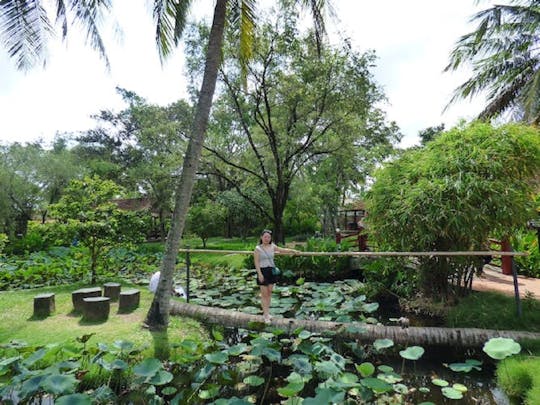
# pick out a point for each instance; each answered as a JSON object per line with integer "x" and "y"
{"x": 451, "y": 195}
{"x": 314, "y": 268}
{"x": 527, "y": 241}
{"x": 31, "y": 242}
{"x": 3, "y": 241}
{"x": 390, "y": 274}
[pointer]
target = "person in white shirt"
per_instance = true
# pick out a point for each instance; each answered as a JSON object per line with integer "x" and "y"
{"x": 177, "y": 290}
{"x": 264, "y": 264}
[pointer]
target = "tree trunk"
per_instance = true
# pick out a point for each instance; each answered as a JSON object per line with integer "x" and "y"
{"x": 158, "y": 314}
{"x": 423, "y": 336}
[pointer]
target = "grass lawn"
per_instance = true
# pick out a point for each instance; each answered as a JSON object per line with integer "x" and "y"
{"x": 17, "y": 322}
{"x": 493, "y": 310}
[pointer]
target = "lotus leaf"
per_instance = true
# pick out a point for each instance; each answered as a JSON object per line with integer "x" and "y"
{"x": 412, "y": 353}
{"x": 390, "y": 378}
{"x": 327, "y": 368}
{"x": 500, "y": 348}
{"x": 385, "y": 369}
{"x": 467, "y": 366}
{"x": 217, "y": 357}
{"x": 300, "y": 364}
{"x": 376, "y": 385}
{"x": 147, "y": 367}
{"x": 31, "y": 386}
{"x": 238, "y": 349}
{"x": 295, "y": 385}
{"x": 451, "y": 393}
{"x": 401, "y": 388}
{"x": 74, "y": 399}
{"x": 325, "y": 396}
{"x": 460, "y": 387}
{"x": 365, "y": 369}
{"x": 253, "y": 380}
{"x": 59, "y": 384}
{"x": 382, "y": 344}
{"x": 162, "y": 377}
{"x": 439, "y": 382}
{"x": 211, "y": 392}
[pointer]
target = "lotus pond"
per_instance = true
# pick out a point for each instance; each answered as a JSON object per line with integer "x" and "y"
{"x": 325, "y": 367}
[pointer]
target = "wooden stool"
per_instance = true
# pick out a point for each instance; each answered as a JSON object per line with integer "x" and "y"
{"x": 78, "y": 296}
{"x": 112, "y": 290}
{"x": 129, "y": 300}
{"x": 44, "y": 305}
{"x": 96, "y": 308}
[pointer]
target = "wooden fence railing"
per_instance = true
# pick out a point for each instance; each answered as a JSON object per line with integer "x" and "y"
{"x": 509, "y": 254}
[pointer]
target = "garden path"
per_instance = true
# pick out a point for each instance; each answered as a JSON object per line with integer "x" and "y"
{"x": 492, "y": 279}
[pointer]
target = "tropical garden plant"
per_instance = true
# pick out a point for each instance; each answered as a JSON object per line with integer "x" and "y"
{"x": 503, "y": 52}
{"x": 98, "y": 223}
{"x": 468, "y": 184}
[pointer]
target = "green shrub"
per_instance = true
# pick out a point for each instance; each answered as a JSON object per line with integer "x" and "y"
{"x": 390, "y": 274}
{"x": 519, "y": 377}
{"x": 31, "y": 242}
{"x": 3, "y": 241}
{"x": 314, "y": 268}
{"x": 527, "y": 241}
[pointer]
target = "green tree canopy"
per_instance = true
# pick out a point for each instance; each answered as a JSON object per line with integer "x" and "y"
{"x": 468, "y": 184}
{"x": 87, "y": 205}
{"x": 299, "y": 107}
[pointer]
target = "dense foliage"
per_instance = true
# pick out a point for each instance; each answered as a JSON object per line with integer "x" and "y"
{"x": 470, "y": 183}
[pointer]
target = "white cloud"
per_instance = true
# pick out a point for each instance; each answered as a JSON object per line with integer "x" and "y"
{"x": 412, "y": 40}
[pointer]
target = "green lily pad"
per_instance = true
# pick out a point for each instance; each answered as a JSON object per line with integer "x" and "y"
{"x": 376, "y": 385}
{"x": 74, "y": 399}
{"x": 412, "y": 353}
{"x": 380, "y": 344}
{"x": 500, "y": 348}
{"x": 469, "y": 365}
{"x": 217, "y": 357}
{"x": 365, "y": 369}
{"x": 439, "y": 382}
{"x": 460, "y": 387}
{"x": 253, "y": 380}
{"x": 451, "y": 393}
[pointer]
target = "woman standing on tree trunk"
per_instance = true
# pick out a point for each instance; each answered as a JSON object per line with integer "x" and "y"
{"x": 264, "y": 264}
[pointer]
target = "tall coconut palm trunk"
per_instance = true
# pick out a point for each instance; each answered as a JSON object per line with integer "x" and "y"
{"x": 158, "y": 314}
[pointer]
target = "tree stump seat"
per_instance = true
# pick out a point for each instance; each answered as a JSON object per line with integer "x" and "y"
{"x": 129, "y": 300}
{"x": 78, "y": 296}
{"x": 112, "y": 290}
{"x": 96, "y": 308}
{"x": 44, "y": 305}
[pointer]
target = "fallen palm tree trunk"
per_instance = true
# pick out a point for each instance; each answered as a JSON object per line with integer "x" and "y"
{"x": 453, "y": 337}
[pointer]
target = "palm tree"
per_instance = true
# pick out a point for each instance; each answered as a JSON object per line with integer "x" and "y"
{"x": 505, "y": 58}
{"x": 25, "y": 28}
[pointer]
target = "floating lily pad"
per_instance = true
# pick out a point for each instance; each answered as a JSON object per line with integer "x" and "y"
{"x": 500, "y": 348}
{"x": 439, "y": 382}
{"x": 380, "y": 344}
{"x": 412, "y": 353}
{"x": 451, "y": 393}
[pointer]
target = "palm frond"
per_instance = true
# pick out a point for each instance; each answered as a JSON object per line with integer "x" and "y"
{"x": 170, "y": 17}
{"x": 89, "y": 14}
{"x": 25, "y": 30}
{"x": 317, "y": 7}
{"x": 505, "y": 56}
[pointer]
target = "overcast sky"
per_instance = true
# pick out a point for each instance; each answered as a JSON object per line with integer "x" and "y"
{"x": 412, "y": 40}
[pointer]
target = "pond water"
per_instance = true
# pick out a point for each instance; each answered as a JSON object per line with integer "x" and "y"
{"x": 344, "y": 301}
{"x": 417, "y": 376}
